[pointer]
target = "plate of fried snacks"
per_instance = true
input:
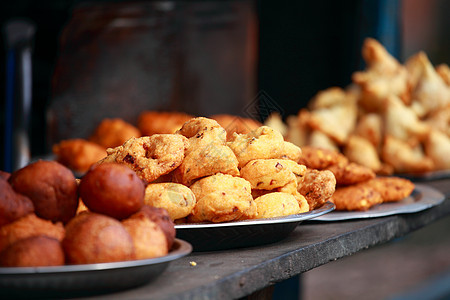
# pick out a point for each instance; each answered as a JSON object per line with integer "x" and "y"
{"x": 53, "y": 244}
{"x": 421, "y": 198}
{"x": 87, "y": 279}
{"x": 393, "y": 118}
{"x": 245, "y": 233}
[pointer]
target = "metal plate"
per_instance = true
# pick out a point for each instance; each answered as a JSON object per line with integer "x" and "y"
{"x": 88, "y": 279}
{"x": 229, "y": 235}
{"x": 421, "y": 198}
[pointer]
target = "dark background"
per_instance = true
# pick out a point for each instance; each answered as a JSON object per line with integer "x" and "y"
{"x": 303, "y": 46}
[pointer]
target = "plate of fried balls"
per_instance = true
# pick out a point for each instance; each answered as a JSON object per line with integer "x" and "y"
{"x": 52, "y": 244}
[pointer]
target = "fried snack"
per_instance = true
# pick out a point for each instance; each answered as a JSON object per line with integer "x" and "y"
{"x": 391, "y": 188}
{"x": 370, "y": 127}
{"x": 348, "y": 173}
{"x": 328, "y": 98}
{"x": 319, "y": 139}
{"x": 27, "y": 226}
{"x": 207, "y": 153}
{"x": 440, "y": 120}
{"x": 34, "y": 251}
{"x": 276, "y": 204}
{"x": 356, "y": 197}
{"x": 150, "y": 156}
{"x": 437, "y": 147}
{"x": 317, "y": 187}
{"x": 298, "y": 129}
{"x": 148, "y": 239}
{"x": 94, "y": 238}
{"x": 429, "y": 86}
{"x": 161, "y": 217}
{"x": 268, "y": 174}
{"x": 383, "y": 76}
{"x": 404, "y": 158}
{"x": 78, "y": 154}
{"x": 318, "y": 158}
{"x": 177, "y": 199}
{"x": 337, "y": 121}
{"x": 360, "y": 151}
{"x": 12, "y": 205}
{"x": 50, "y": 186}
{"x": 236, "y": 124}
{"x": 275, "y": 122}
{"x": 292, "y": 189}
{"x": 156, "y": 122}
{"x": 263, "y": 143}
{"x": 444, "y": 71}
{"x": 222, "y": 198}
{"x": 111, "y": 133}
{"x": 112, "y": 189}
{"x": 402, "y": 123}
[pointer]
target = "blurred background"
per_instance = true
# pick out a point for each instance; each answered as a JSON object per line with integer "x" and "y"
{"x": 97, "y": 59}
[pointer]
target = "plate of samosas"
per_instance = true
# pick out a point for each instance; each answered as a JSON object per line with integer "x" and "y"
{"x": 422, "y": 197}
{"x": 394, "y": 118}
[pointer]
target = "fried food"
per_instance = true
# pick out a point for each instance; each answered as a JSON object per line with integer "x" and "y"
{"x": 356, "y": 198}
{"x": 268, "y": 174}
{"x": 148, "y": 238}
{"x": 111, "y": 133}
{"x": 444, "y": 71}
{"x": 207, "y": 153}
{"x": 12, "y": 205}
{"x": 362, "y": 152}
{"x": 94, "y": 238}
{"x": 437, "y": 147}
{"x": 319, "y": 158}
{"x": 112, "y": 189}
{"x": 262, "y": 143}
{"x": 276, "y": 204}
{"x": 275, "y": 122}
{"x": 321, "y": 140}
{"x": 370, "y": 127}
{"x": 177, "y": 199}
{"x": 78, "y": 154}
{"x": 35, "y": 251}
{"x": 317, "y": 187}
{"x": 236, "y": 124}
{"x": 161, "y": 217}
{"x": 405, "y": 158}
{"x": 27, "y": 226}
{"x": 222, "y": 198}
{"x": 50, "y": 186}
{"x": 391, "y": 188}
{"x": 150, "y": 156}
{"x": 156, "y": 122}
{"x": 348, "y": 173}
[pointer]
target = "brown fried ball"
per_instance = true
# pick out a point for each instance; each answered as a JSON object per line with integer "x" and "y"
{"x": 50, "y": 186}
{"x": 78, "y": 154}
{"x": 161, "y": 217}
{"x": 111, "y": 133}
{"x": 177, "y": 199}
{"x": 34, "y": 251}
{"x": 27, "y": 226}
{"x": 148, "y": 238}
{"x": 94, "y": 238}
{"x": 12, "y": 205}
{"x": 112, "y": 189}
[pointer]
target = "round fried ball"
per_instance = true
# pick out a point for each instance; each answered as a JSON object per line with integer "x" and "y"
{"x": 148, "y": 238}
{"x": 12, "y": 205}
{"x": 35, "y": 251}
{"x": 112, "y": 189}
{"x": 177, "y": 199}
{"x": 161, "y": 217}
{"x": 50, "y": 186}
{"x": 276, "y": 204}
{"x": 95, "y": 238}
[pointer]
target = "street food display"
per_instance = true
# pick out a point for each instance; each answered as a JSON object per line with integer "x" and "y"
{"x": 393, "y": 118}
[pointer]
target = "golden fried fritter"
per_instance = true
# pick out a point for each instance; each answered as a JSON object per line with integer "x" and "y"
{"x": 276, "y": 204}
{"x": 318, "y": 158}
{"x": 12, "y": 205}
{"x": 391, "y": 188}
{"x": 222, "y": 198}
{"x": 158, "y": 122}
{"x": 111, "y": 133}
{"x": 356, "y": 197}
{"x": 177, "y": 199}
{"x": 268, "y": 174}
{"x": 262, "y": 143}
{"x": 317, "y": 187}
{"x": 150, "y": 156}
{"x": 350, "y": 173}
{"x": 236, "y": 124}
{"x": 78, "y": 154}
